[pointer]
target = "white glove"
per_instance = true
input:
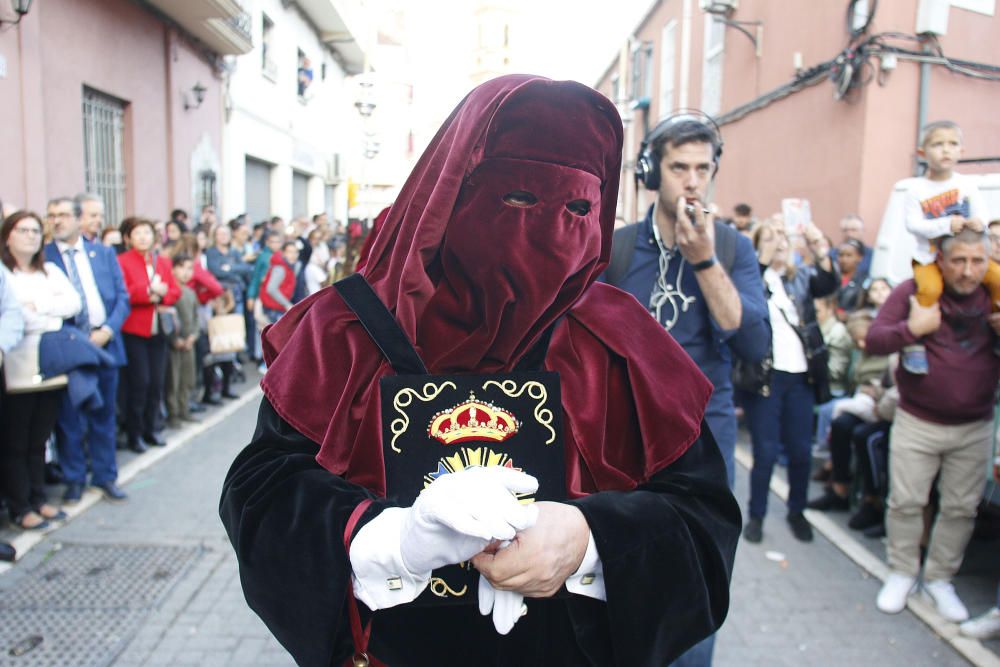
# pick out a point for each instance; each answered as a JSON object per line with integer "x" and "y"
{"x": 507, "y": 606}
{"x": 460, "y": 513}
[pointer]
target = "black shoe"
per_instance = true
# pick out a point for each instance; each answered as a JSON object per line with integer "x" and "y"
{"x": 754, "y": 531}
{"x": 154, "y": 439}
{"x": 54, "y": 474}
{"x": 210, "y": 400}
{"x": 822, "y": 475}
{"x": 58, "y": 516}
{"x": 19, "y": 522}
{"x": 875, "y": 532}
{"x": 111, "y": 491}
{"x": 137, "y": 446}
{"x": 74, "y": 491}
{"x": 229, "y": 394}
{"x": 830, "y": 502}
{"x": 7, "y": 552}
{"x": 867, "y": 516}
{"x": 801, "y": 529}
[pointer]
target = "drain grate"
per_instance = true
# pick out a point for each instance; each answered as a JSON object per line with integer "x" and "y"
{"x": 89, "y": 638}
{"x": 85, "y": 602}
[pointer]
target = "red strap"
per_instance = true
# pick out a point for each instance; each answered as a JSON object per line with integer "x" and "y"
{"x": 360, "y": 637}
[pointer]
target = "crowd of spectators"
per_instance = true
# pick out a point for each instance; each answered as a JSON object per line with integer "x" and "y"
{"x": 904, "y": 453}
{"x": 112, "y": 334}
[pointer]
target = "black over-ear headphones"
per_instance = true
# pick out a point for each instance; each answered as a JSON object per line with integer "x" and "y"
{"x": 647, "y": 165}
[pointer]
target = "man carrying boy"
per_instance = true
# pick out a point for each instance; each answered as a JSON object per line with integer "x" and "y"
{"x": 941, "y": 204}
{"x": 944, "y": 422}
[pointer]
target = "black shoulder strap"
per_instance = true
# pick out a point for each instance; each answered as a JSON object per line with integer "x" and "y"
{"x": 725, "y": 246}
{"x": 622, "y": 248}
{"x": 380, "y": 325}
{"x": 384, "y": 330}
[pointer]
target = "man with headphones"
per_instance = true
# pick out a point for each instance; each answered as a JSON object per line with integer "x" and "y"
{"x": 699, "y": 277}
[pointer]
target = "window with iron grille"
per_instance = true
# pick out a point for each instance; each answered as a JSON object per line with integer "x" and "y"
{"x": 104, "y": 151}
{"x": 207, "y": 191}
{"x": 642, "y": 70}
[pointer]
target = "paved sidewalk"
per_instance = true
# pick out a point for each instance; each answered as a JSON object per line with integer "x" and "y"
{"x": 800, "y": 604}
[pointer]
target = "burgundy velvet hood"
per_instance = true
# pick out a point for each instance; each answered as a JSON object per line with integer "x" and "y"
{"x": 502, "y": 228}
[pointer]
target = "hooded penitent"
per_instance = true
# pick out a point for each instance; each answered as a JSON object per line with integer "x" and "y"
{"x": 501, "y": 229}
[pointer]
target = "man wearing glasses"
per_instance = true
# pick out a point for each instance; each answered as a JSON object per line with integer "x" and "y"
{"x": 93, "y": 270}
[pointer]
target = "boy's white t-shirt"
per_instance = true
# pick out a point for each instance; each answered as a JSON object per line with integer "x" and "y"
{"x": 929, "y": 206}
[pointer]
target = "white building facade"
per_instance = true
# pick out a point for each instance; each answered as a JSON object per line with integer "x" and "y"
{"x": 291, "y": 135}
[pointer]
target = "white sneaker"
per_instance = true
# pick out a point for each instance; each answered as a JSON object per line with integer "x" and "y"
{"x": 986, "y": 626}
{"x": 897, "y": 587}
{"x": 946, "y": 599}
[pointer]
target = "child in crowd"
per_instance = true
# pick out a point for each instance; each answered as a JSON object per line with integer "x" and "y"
{"x": 877, "y": 290}
{"x": 278, "y": 290}
{"x": 838, "y": 343}
{"x": 181, "y": 370}
{"x": 840, "y": 347}
{"x": 867, "y": 374}
{"x": 941, "y": 203}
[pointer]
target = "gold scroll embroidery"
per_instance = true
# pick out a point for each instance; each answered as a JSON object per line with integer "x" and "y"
{"x": 404, "y": 398}
{"x": 537, "y": 391}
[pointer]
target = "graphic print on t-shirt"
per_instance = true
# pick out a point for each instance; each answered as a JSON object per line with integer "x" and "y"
{"x": 945, "y": 204}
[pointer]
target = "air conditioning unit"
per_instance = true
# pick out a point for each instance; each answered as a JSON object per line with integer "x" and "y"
{"x": 719, "y": 6}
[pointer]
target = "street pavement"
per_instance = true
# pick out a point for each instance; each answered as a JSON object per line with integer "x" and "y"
{"x": 793, "y": 604}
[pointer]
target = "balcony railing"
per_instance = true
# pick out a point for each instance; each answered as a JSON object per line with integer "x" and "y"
{"x": 242, "y": 24}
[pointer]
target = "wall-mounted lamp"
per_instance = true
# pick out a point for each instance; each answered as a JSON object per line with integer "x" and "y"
{"x": 365, "y": 104}
{"x": 20, "y": 8}
{"x": 198, "y": 91}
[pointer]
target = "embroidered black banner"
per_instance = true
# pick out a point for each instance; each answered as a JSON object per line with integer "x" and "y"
{"x": 435, "y": 425}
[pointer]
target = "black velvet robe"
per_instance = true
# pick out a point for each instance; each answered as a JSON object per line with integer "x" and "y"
{"x": 667, "y": 550}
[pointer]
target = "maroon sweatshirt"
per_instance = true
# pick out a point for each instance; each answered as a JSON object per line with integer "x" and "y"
{"x": 962, "y": 383}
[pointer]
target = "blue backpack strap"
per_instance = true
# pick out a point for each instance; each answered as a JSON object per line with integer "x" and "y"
{"x": 622, "y": 249}
{"x": 725, "y": 245}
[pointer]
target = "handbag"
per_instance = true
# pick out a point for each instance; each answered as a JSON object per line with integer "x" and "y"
{"x": 817, "y": 357}
{"x": 753, "y": 377}
{"x": 227, "y": 333}
{"x": 168, "y": 322}
{"x": 818, "y": 360}
{"x": 21, "y": 368}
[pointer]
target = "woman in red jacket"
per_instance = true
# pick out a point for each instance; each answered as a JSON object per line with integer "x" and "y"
{"x": 150, "y": 283}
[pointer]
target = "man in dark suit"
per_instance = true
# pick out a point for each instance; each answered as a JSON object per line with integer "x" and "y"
{"x": 93, "y": 270}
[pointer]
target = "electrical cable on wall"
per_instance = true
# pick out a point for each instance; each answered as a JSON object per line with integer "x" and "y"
{"x": 860, "y": 63}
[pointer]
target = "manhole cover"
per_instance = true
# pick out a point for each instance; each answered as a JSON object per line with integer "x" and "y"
{"x": 81, "y": 606}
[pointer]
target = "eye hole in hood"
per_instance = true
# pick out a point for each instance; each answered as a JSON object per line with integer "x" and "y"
{"x": 578, "y": 207}
{"x": 520, "y": 199}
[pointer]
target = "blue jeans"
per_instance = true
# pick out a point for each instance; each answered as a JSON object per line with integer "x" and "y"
{"x": 784, "y": 418}
{"x": 824, "y": 415}
{"x": 96, "y": 429}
